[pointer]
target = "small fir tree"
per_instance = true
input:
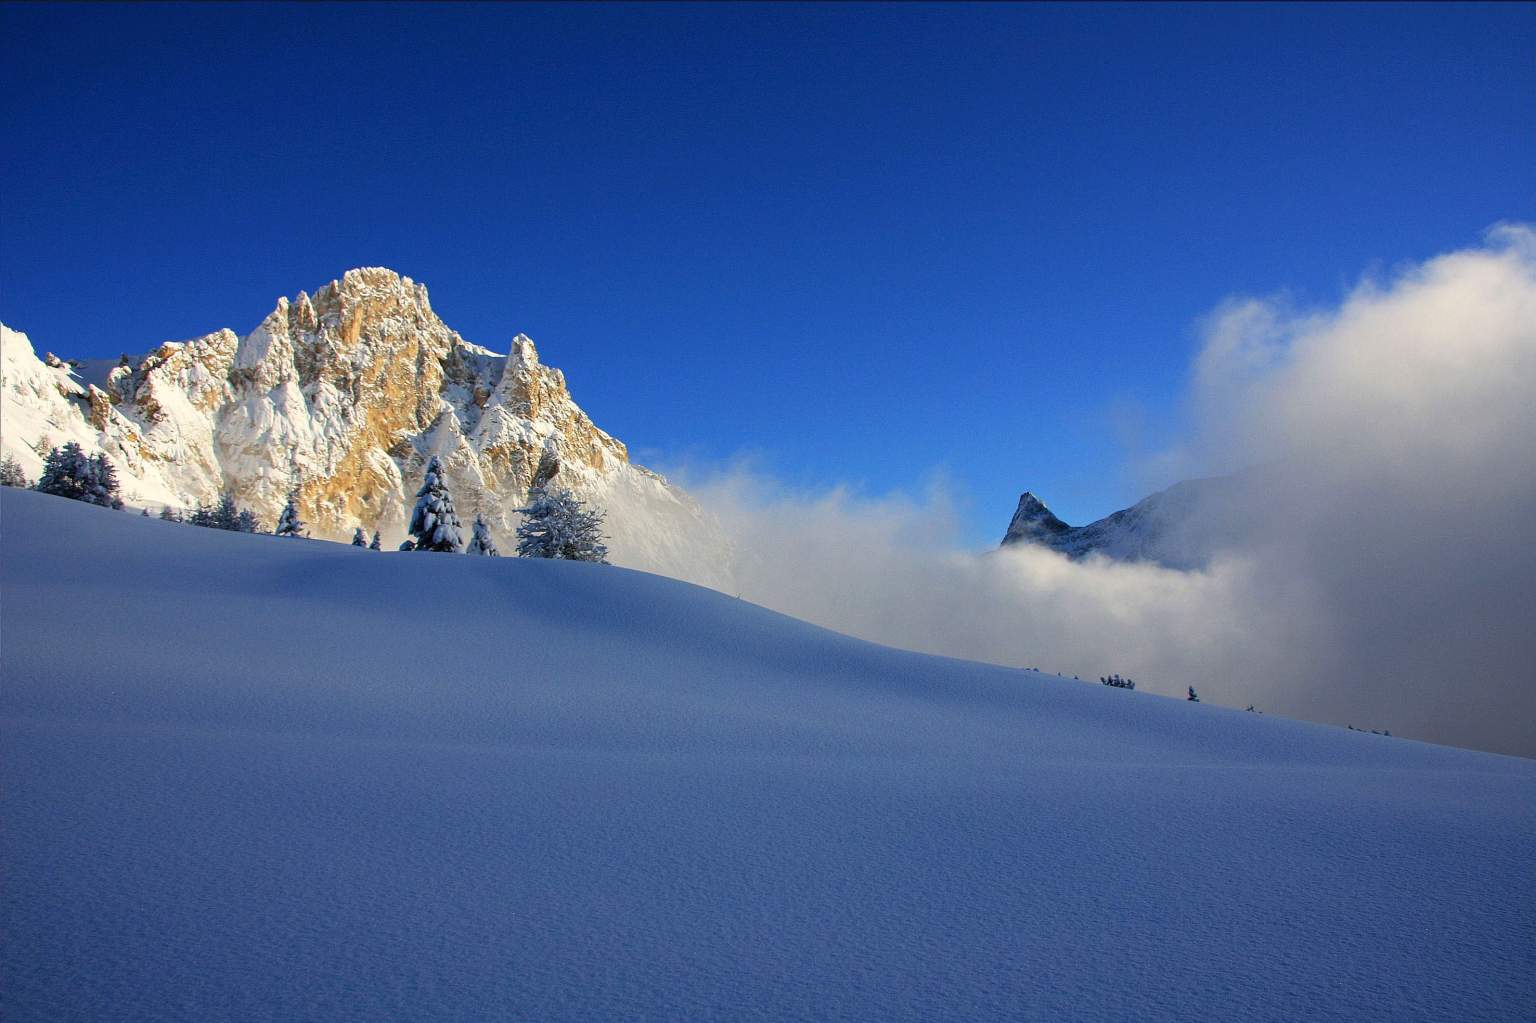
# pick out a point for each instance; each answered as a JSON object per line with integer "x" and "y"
{"x": 247, "y": 522}
{"x": 169, "y": 514}
{"x": 289, "y": 523}
{"x": 358, "y": 539}
{"x": 101, "y": 483}
{"x": 557, "y": 525}
{"x": 225, "y": 514}
{"x": 374, "y": 546}
{"x": 1192, "y": 697}
{"x": 11, "y": 474}
{"x": 480, "y": 541}
{"x": 434, "y": 523}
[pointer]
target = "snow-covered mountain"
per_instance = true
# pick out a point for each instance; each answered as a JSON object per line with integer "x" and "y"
{"x": 343, "y": 395}
{"x": 1181, "y": 527}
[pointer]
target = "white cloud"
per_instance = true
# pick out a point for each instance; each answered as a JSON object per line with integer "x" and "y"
{"x": 1386, "y": 577}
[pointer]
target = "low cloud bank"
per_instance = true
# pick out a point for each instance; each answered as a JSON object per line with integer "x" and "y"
{"x": 1384, "y": 574}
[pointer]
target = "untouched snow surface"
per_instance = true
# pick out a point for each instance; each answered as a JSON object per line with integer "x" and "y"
{"x": 246, "y": 778}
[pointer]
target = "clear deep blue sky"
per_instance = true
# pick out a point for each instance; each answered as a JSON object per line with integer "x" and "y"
{"x": 864, "y": 242}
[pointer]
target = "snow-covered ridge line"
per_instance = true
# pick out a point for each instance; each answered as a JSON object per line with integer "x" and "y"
{"x": 343, "y": 396}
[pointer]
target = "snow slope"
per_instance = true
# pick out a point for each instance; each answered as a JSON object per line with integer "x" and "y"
{"x": 248, "y": 778}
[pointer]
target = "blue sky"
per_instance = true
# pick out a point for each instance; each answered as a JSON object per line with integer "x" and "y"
{"x": 868, "y": 244}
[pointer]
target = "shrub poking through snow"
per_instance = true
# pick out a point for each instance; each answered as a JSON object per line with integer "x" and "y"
{"x": 1192, "y": 697}
{"x": 434, "y": 523}
{"x": 374, "y": 546}
{"x": 1116, "y": 682}
{"x": 480, "y": 541}
{"x": 557, "y": 525}
{"x": 359, "y": 538}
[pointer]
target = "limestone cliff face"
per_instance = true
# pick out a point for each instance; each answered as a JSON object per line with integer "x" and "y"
{"x": 343, "y": 395}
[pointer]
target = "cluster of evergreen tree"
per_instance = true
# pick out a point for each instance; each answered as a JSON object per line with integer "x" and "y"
{"x": 69, "y": 472}
{"x": 224, "y": 514}
{"x": 556, "y": 523}
{"x": 1116, "y": 682}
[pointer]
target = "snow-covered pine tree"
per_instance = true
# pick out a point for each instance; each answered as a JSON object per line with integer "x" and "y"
{"x": 101, "y": 483}
{"x": 66, "y": 473}
{"x": 358, "y": 538}
{"x": 558, "y": 525}
{"x": 247, "y": 522}
{"x": 480, "y": 541}
{"x": 11, "y": 474}
{"x": 289, "y": 523}
{"x": 434, "y": 523}
{"x": 225, "y": 514}
{"x": 374, "y": 546}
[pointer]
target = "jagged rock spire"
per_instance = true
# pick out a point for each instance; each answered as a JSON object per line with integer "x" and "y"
{"x": 1032, "y": 522}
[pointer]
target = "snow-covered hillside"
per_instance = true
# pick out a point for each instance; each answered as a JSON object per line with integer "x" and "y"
{"x": 342, "y": 396}
{"x": 249, "y": 778}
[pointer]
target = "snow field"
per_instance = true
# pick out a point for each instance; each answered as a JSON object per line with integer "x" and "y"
{"x": 246, "y": 778}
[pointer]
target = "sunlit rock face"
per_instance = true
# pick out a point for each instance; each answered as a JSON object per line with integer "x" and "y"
{"x": 342, "y": 396}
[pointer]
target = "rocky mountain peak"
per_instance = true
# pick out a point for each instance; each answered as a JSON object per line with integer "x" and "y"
{"x": 341, "y": 395}
{"x": 1033, "y": 522}
{"x": 1181, "y": 527}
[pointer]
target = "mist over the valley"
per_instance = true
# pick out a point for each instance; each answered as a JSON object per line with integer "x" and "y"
{"x": 1382, "y": 573}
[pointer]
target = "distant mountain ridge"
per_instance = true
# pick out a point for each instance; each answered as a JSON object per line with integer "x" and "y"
{"x": 1181, "y": 527}
{"x": 342, "y": 396}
